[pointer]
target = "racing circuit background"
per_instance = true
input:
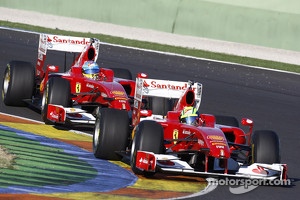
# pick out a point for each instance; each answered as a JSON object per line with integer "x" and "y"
{"x": 270, "y": 98}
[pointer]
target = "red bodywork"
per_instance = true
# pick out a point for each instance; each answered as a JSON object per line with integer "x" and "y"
{"x": 106, "y": 91}
{"x": 207, "y": 138}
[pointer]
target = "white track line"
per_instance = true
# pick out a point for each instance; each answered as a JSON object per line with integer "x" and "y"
{"x": 171, "y": 54}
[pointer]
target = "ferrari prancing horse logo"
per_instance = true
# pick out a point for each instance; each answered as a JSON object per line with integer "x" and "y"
{"x": 78, "y": 87}
{"x": 175, "y": 135}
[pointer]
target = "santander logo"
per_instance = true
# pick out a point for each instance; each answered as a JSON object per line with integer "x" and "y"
{"x": 67, "y": 40}
{"x": 164, "y": 85}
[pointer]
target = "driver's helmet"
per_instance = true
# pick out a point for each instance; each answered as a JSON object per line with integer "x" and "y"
{"x": 90, "y": 69}
{"x": 189, "y": 115}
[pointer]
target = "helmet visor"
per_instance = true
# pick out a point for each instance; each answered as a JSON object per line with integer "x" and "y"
{"x": 91, "y": 71}
{"x": 191, "y": 120}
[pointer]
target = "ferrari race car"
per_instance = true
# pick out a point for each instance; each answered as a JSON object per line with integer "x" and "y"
{"x": 214, "y": 146}
{"x": 68, "y": 96}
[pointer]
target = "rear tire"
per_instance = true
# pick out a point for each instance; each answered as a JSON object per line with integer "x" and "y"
{"x": 122, "y": 73}
{"x": 111, "y": 133}
{"x": 149, "y": 136}
{"x": 265, "y": 147}
{"x": 227, "y": 120}
{"x": 160, "y": 105}
{"x": 18, "y": 83}
{"x": 57, "y": 91}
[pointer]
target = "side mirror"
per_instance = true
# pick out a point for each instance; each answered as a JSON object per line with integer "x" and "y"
{"x": 106, "y": 74}
{"x": 142, "y": 75}
{"x": 52, "y": 68}
{"x": 247, "y": 122}
{"x": 145, "y": 113}
{"x": 208, "y": 120}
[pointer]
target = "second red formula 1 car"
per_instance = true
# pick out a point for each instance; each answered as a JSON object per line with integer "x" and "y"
{"x": 185, "y": 142}
{"x": 74, "y": 95}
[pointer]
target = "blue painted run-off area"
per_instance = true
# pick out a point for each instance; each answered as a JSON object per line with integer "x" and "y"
{"x": 105, "y": 177}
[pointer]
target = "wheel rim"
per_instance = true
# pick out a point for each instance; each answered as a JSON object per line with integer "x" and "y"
{"x": 6, "y": 83}
{"x": 45, "y": 98}
{"x": 97, "y": 132}
{"x": 132, "y": 152}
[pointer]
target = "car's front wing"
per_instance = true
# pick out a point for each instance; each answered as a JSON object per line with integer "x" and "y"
{"x": 60, "y": 114}
{"x": 148, "y": 161}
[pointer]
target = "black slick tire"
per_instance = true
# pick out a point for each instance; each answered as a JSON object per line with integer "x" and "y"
{"x": 122, "y": 73}
{"x": 18, "y": 83}
{"x": 227, "y": 120}
{"x": 148, "y": 136}
{"x": 57, "y": 91}
{"x": 160, "y": 105}
{"x": 111, "y": 133}
{"x": 265, "y": 147}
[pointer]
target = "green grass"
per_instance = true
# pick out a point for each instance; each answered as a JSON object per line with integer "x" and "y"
{"x": 163, "y": 48}
{"x": 6, "y": 158}
{"x": 34, "y": 164}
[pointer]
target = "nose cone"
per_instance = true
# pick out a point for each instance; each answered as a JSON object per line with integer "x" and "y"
{"x": 216, "y": 142}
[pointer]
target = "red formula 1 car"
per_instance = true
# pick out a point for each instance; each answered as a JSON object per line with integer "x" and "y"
{"x": 71, "y": 96}
{"x": 213, "y": 146}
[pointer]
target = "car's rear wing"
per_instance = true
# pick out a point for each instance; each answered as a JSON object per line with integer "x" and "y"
{"x": 63, "y": 43}
{"x": 162, "y": 88}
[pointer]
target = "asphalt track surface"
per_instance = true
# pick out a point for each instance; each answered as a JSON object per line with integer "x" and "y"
{"x": 270, "y": 98}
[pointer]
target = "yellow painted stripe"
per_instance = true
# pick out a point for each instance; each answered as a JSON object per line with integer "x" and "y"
{"x": 94, "y": 196}
{"x": 48, "y": 131}
{"x": 169, "y": 185}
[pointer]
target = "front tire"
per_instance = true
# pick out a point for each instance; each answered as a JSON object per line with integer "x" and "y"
{"x": 57, "y": 91}
{"x": 148, "y": 136}
{"x": 111, "y": 133}
{"x": 265, "y": 147}
{"x": 18, "y": 83}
